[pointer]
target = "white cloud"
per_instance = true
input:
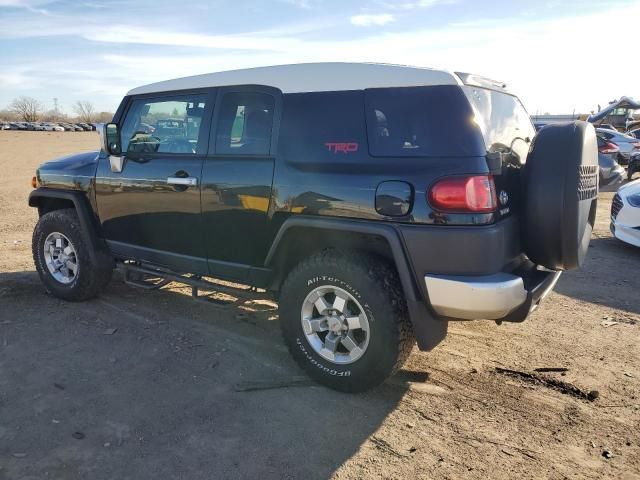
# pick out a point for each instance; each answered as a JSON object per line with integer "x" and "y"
{"x": 414, "y": 4}
{"x": 370, "y": 20}
{"x": 306, "y": 4}
{"x": 30, "y": 5}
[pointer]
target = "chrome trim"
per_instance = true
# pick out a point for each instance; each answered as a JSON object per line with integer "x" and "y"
{"x": 487, "y": 297}
{"x": 116, "y": 163}
{"x": 187, "y": 181}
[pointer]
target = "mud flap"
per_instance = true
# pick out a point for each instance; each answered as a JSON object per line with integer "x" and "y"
{"x": 428, "y": 330}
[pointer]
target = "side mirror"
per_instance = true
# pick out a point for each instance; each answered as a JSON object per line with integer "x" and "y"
{"x": 110, "y": 142}
{"x": 112, "y": 135}
{"x": 110, "y": 138}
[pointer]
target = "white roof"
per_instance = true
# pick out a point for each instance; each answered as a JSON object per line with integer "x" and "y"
{"x": 312, "y": 77}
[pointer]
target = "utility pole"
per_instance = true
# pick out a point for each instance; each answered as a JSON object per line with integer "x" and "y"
{"x": 55, "y": 108}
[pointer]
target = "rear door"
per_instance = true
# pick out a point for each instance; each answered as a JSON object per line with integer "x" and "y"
{"x": 237, "y": 177}
{"x": 151, "y": 209}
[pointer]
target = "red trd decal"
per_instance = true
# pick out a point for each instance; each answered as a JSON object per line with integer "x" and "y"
{"x": 336, "y": 147}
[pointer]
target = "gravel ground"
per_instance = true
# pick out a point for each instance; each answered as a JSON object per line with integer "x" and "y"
{"x": 139, "y": 384}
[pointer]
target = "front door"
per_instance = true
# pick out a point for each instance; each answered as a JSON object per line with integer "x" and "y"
{"x": 237, "y": 178}
{"x": 150, "y": 210}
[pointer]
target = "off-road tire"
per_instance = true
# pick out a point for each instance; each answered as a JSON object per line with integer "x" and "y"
{"x": 94, "y": 273}
{"x": 374, "y": 283}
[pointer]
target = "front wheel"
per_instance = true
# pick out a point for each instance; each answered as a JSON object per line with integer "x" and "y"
{"x": 63, "y": 258}
{"x": 344, "y": 320}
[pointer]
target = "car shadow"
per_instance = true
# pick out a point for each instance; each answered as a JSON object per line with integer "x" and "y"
{"x": 152, "y": 384}
{"x": 613, "y": 266}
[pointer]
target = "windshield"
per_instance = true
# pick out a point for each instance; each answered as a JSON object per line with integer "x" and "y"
{"x": 504, "y": 122}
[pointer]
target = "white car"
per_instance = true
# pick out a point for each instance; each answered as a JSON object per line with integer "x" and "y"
{"x": 52, "y": 127}
{"x": 625, "y": 213}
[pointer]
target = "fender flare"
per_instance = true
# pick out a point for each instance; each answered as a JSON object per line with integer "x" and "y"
{"x": 81, "y": 204}
{"x": 428, "y": 328}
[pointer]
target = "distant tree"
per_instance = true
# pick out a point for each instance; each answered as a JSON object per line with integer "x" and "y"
{"x": 104, "y": 117}
{"x": 54, "y": 115}
{"x": 8, "y": 115}
{"x": 28, "y": 109}
{"x": 85, "y": 111}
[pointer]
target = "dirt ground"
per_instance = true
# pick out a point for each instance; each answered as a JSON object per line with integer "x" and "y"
{"x": 153, "y": 384}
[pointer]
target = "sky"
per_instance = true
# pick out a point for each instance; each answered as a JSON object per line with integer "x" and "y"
{"x": 557, "y": 56}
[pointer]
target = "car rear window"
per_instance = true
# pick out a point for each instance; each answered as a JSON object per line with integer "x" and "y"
{"x": 421, "y": 122}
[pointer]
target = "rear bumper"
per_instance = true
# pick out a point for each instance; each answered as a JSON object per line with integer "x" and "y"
{"x": 500, "y": 296}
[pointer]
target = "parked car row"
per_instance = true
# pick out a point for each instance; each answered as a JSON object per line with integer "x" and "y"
{"x": 615, "y": 149}
{"x": 48, "y": 126}
{"x": 627, "y": 144}
{"x": 611, "y": 172}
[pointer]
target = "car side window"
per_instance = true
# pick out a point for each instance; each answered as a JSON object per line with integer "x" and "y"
{"x": 245, "y": 122}
{"x": 163, "y": 125}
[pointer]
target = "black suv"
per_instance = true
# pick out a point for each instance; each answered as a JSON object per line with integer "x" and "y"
{"x": 374, "y": 202}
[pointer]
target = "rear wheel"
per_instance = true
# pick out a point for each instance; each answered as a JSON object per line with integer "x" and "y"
{"x": 345, "y": 321}
{"x": 63, "y": 258}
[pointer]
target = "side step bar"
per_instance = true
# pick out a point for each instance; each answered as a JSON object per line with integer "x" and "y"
{"x": 195, "y": 281}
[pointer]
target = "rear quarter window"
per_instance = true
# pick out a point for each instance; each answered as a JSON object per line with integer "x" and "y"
{"x": 435, "y": 121}
{"x": 323, "y": 127}
{"x": 503, "y": 120}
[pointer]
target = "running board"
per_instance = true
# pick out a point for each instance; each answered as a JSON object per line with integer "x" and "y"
{"x": 195, "y": 281}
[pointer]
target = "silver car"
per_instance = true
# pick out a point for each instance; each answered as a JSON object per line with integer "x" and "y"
{"x": 626, "y": 143}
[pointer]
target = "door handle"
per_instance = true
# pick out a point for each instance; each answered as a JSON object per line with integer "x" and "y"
{"x": 186, "y": 181}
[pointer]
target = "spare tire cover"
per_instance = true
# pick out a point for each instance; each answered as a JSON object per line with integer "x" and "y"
{"x": 560, "y": 195}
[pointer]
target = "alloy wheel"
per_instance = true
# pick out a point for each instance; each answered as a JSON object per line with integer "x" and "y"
{"x": 335, "y": 324}
{"x": 61, "y": 258}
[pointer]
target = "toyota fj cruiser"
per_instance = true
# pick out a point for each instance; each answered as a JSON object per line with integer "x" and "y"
{"x": 376, "y": 203}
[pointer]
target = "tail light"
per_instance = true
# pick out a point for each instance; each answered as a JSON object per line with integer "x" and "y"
{"x": 464, "y": 194}
{"x": 609, "y": 148}
{"x": 635, "y": 144}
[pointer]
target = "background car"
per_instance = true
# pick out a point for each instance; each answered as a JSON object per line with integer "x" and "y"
{"x": 625, "y": 213}
{"x": 626, "y": 143}
{"x": 606, "y": 126}
{"x": 635, "y": 133}
{"x": 52, "y": 127}
{"x": 146, "y": 128}
{"x": 634, "y": 166}
{"x": 611, "y": 172}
